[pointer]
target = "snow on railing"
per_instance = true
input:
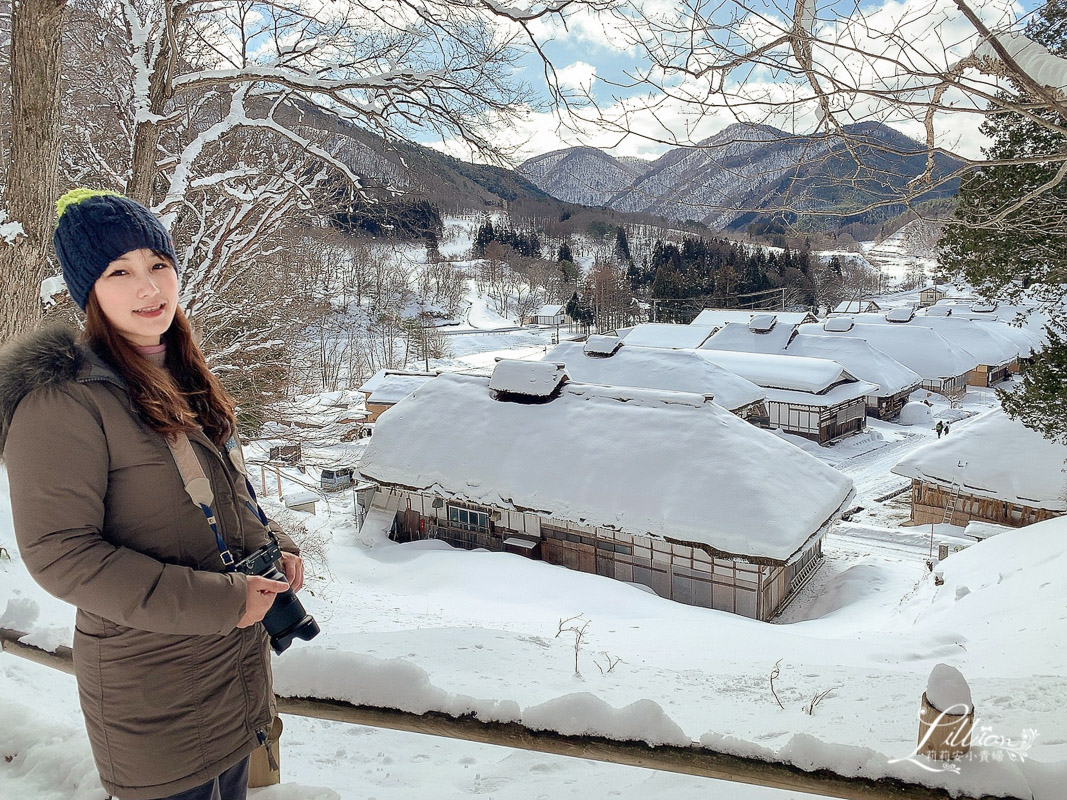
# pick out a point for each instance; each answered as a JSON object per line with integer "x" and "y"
{"x": 694, "y": 759}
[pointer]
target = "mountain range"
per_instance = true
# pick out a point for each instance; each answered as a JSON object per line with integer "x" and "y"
{"x": 752, "y": 175}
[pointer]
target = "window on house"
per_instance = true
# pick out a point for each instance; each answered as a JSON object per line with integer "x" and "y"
{"x": 468, "y": 519}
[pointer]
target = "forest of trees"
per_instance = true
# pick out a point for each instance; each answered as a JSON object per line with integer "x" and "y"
{"x": 723, "y": 270}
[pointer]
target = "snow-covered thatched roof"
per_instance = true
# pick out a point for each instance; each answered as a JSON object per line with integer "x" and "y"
{"x": 983, "y": 342}
{"x": 717, "y": 317}
{"x": 859, "y": 358}
{"x": 736, "y": 488}
{"x": 742, "y": 338}
{"x": 597, "y": 345}
{"x": 916, "y": 347}
{"x": 781, "y": 372}
{"x": 387, "y": 386}
{"x": 530, "y": 378}
{"x": 994, "y": 456}
{"x": 656, "y": 368}
{"x": 660, "y": 334}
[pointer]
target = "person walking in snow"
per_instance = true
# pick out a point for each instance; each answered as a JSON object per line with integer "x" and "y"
{"x": 171, "y": 662}
{"x": 946, "y": 429}
{"x": 940, "y": 426}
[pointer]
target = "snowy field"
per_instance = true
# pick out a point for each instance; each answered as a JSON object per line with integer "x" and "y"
{"x": 423, "y": 626}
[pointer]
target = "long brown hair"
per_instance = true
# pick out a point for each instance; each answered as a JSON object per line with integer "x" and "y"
{"x": 178, "y": 398}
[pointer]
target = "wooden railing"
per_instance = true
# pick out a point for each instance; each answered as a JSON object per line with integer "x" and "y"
{"x": 693, "y": 760}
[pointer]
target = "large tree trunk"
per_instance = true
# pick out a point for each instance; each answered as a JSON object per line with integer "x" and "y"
{"x": 145, "y": 157}
{"x": 36, "y": 56}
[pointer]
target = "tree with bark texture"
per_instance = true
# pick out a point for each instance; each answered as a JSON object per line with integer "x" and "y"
{"x": 166, "y": 97}
{"x": 30, "y": 189}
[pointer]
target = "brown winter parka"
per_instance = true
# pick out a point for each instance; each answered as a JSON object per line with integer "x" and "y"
{"x": 172, "y": 692}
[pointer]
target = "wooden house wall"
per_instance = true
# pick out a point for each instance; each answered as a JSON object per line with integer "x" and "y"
{"x": 375, "y": 410}
{"x": 820, "y": 424}
{"x": 929, "y": 501}
{"x": 947, "y": 386}
{"x": 888, "y": 407}
{"x": 987, "y": 375}
{"x": 679, "y": 572}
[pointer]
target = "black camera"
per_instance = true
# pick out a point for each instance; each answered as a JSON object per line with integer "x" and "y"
{"x": 287, "y": 618}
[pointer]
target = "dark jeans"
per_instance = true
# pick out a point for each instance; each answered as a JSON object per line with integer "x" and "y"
{"x": 230, "y": 785}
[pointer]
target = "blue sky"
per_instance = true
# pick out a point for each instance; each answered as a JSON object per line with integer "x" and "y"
{"x": 593, "y": 53}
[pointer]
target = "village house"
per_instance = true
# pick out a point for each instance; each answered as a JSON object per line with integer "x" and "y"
{"x": 1022, "y": 325}
{"x": 607, "y": 360}
{"x": 810, "y": 397}
{"x": 989, "y": 469}
{"x": 996, "y": 356}
{"x": 551, "y": 314}
{"x": 589, "y": 477}
{"x": 893, "y": 381}
{"x": 856, "y": 307}
{"x": 932, "y": 294}
{"x": 388, "y": 387}
{"x": 942, "y": 365}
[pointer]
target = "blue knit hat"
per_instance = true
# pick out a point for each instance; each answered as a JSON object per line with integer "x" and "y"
{"x": 93, "y": 228}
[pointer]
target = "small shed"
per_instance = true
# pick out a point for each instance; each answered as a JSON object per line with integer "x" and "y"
{"x": 300, "y": 500}
{"x": 552, "y": 314}
{"x": 989, "y": 469}
{"x": 810, "y": 397}
{"x": 932, "y": 294}
{"x": 388, "y": 387}
{"x": 709, "y": 529}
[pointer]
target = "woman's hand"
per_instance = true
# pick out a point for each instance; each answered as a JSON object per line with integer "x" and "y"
{"x": 259, "y": 597}
{"x": 293, "y": 567}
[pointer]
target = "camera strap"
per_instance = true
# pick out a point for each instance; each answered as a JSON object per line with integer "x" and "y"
{"x": 198, "y": 487}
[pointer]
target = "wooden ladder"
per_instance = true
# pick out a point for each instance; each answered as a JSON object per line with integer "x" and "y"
{"x": 950, "y": 507}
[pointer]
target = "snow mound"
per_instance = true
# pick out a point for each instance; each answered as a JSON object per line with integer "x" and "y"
{"x": 1001, "y": 593}
{"x": 21, "y": 614}
{"x": 855, "y": 583}
{"x": 916, "y": 414}
{"x": 947, "y": 690}
{"x": 584, "y": 714}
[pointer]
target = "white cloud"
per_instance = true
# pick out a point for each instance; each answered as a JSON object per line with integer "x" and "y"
{"x": 579, "y": 76}
{"x": 884, "y": 61}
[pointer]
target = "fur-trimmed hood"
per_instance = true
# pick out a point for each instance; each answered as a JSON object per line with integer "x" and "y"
{"x": 46, "y": 357}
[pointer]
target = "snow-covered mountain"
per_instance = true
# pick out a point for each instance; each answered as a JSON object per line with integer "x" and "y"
{"x": 744, "y": 172}
{"x": 582, "y": 175}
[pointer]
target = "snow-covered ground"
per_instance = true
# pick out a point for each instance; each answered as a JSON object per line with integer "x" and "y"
{"x": 423, "y": 626}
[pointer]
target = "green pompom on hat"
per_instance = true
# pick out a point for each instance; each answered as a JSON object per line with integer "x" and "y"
{"x": 94, "y": 227}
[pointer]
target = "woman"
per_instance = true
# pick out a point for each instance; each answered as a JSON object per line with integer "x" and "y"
{"x": 173, "y": 670}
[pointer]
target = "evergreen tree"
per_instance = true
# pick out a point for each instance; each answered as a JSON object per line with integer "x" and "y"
{"x": 1005, "y": 242}
{"x": 1041, "y": 402}
{"x": 622, "y": 246}
{"x": 564, "y": 253}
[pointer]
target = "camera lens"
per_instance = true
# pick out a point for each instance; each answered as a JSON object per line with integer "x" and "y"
{"x": 287, "y": 620}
